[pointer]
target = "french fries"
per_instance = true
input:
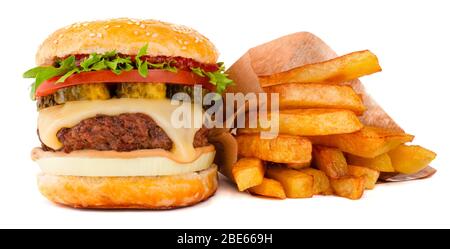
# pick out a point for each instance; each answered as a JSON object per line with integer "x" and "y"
{"x": 248, "y": 172}
{"x": 295, "y": 184}
{"x": 331, "y": 161}
{"x": 410, "y": 159}
{"x": 368, "y": 142}
{"x": 370, "y": 175}
{"x": 350, "y": 187}
{"x": 320, "y": 128}
{"x": 293, "y": 96}
{"x": 313, "y": 122}
{"x": 282, "y": 149}
{"x": 380, "y": 163}
{"x": 269, "y": 188}
{"x": 321, "y": 182}
{"x": 340, "y": 69}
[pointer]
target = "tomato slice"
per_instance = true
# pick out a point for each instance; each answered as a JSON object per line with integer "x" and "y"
{"x": 154, "y": 76}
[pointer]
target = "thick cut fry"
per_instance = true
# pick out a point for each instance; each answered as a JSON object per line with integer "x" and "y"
{"x": 282, "y": 149}
{"x": 340, "y": 69}
{"x": 296, "y": 96}
{"x": 248, "y": 172}
{"x": 331, "y": 161}
{"x": 312, "y": 122}
{"x": 350, "y": 187}
{"x": 321, "y": 182}
{"x": 368, "y": 142}
{"x": 295, "y": 184}
{"x": 380, "y": 163}
{"x": 410, "y": 159}
{"x": 370, "y": 175}
{"x": 269, "y": 188}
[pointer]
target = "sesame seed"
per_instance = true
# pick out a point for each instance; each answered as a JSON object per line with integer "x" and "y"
{"x": 181, "y": 29}
{"x": 136, "y": 32}
{"x": 183, "y": 48}
{"x": 186, "y": 42}
{"x": 60, "y": 36}
{"x": 91, "y": 35}
{"x": 99, "y": 35}
{"x": 147, "y": 34}
{"x": 137, "y": 23}
{"x": 85, "y": 24}
{"x": 142, "y": 26}
{"x": 155, "y": 35}
{"x": 106, "y": 26}
{"x": 55, "y": 41}
{"x": 117, "y": 26}
{"x": 129, "y": 22}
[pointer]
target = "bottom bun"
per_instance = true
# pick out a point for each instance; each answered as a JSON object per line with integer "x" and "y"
{"x": 153, "y": 192}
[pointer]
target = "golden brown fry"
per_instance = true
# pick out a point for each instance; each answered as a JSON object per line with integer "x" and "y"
{"x": 321, "y": 182}
{"x": 295, "y": 184}
{"x": 269, "y": 188}
{"x": 331, "y": 161}
{"x": 370, "y": 175}
{"x": 340, "y": 69}
{"x": 313, "y": 122}
{"x": 282, "y": 149}
{"x": 368, "y": 142}
{"x": 248, "y": 172}
{"x": 296, "y": 96}
{"x": 380, "y": 163}
{"x": 410, "y": 159}
{"x": 350, "y": 187}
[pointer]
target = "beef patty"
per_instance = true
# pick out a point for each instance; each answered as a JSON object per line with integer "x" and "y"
{"x": 124, "y": 132}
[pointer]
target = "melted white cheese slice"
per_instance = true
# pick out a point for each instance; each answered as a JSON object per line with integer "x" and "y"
{"x": 52, "y": 119}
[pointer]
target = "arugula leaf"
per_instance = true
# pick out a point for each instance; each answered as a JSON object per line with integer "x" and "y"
{"x": 67, "y": 63}
{"x": 91, "y": 60}
{"x": 42, "y": 74}
{"x": 112, "y": 64}
{"x": 168, "y": 66}
{"x": 32, "y": 73}
{"x": 165, "y": 66}
{"x": 49, "y": 72}
{"x": 142, "y": 66}
{"x": 218, "y": 78}
{"x": 67, "y": 75}
{"x": 127, "y": 67}
{"x": 157, "y": 65}
{"x": 33, "y": 91}
{"x": 198, "y": 71}
{"x": 143, "y": 69}
{"x": 142, "y": 51}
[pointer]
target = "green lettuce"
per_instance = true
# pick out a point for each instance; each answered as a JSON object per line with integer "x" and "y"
{"x": 112, "y": 61}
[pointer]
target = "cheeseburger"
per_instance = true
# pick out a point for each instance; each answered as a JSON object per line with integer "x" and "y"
{"x": 103, "y": 91}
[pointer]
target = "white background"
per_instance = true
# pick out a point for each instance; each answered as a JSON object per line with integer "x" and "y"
{"x": 411, "y": 39}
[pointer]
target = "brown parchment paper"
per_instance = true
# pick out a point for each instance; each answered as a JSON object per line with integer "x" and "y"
{"x": 285, "y": 53}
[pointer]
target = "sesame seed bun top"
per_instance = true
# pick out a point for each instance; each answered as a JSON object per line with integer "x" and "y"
{"x": 127, "y": 36}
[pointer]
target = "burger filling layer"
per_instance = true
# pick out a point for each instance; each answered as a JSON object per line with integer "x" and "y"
{"x": 124, "y": 132}
{"x": 124, "y": 124}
